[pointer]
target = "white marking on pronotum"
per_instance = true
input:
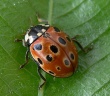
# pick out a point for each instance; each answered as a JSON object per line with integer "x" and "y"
{"x": 31, "y": 39}
{"x": 43, "y": 30}
{"x": 26, "y": 37}
{"x": 39, "y": 34}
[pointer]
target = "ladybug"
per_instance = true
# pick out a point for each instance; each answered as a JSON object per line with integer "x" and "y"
{"x": 52, "y": 50}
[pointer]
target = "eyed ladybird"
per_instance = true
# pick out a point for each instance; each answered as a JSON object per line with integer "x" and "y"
{"x": 52, "y": 49}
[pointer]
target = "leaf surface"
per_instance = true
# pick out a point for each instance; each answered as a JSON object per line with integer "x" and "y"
{"x": 90, "y": 19}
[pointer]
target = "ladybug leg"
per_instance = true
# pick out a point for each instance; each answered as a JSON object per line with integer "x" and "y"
{"x": 42, "y": 77}
{"x": 81, "y": 47}
{"x": 79, "y": 44}
{"x": 26, "y": 55}
{"x": 18, "y": 40}
{"x": 40, "y": 19}
{"x": 27, "y": 59}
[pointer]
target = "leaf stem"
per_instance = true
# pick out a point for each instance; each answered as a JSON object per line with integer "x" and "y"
{"x": 50, "y": 12}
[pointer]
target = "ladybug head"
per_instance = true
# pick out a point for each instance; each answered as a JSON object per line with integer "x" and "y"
{"x": 34, "y": 33}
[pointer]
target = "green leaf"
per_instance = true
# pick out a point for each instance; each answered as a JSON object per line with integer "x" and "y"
{"x": 90, "y": 19}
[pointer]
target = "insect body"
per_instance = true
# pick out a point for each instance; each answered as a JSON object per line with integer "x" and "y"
{"x": 52, "y": 49}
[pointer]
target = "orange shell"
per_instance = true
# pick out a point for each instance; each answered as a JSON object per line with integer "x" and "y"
{"x": 57, "y": 66}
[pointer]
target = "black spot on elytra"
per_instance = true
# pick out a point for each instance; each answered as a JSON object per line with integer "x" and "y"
{"x": 61, "y": 40}
{"x": 51, "y": 72}
{"x": 49, "y": 58}
{"x": 53, "y": 48}
{"x": 38, "y": 47}
{"x": 56, "y": 29}
{"x": 66, "y": 62}
{"x": 58, "y": 68}
{"x": 72, "y": 56}
{"x": 39, "y": 61}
